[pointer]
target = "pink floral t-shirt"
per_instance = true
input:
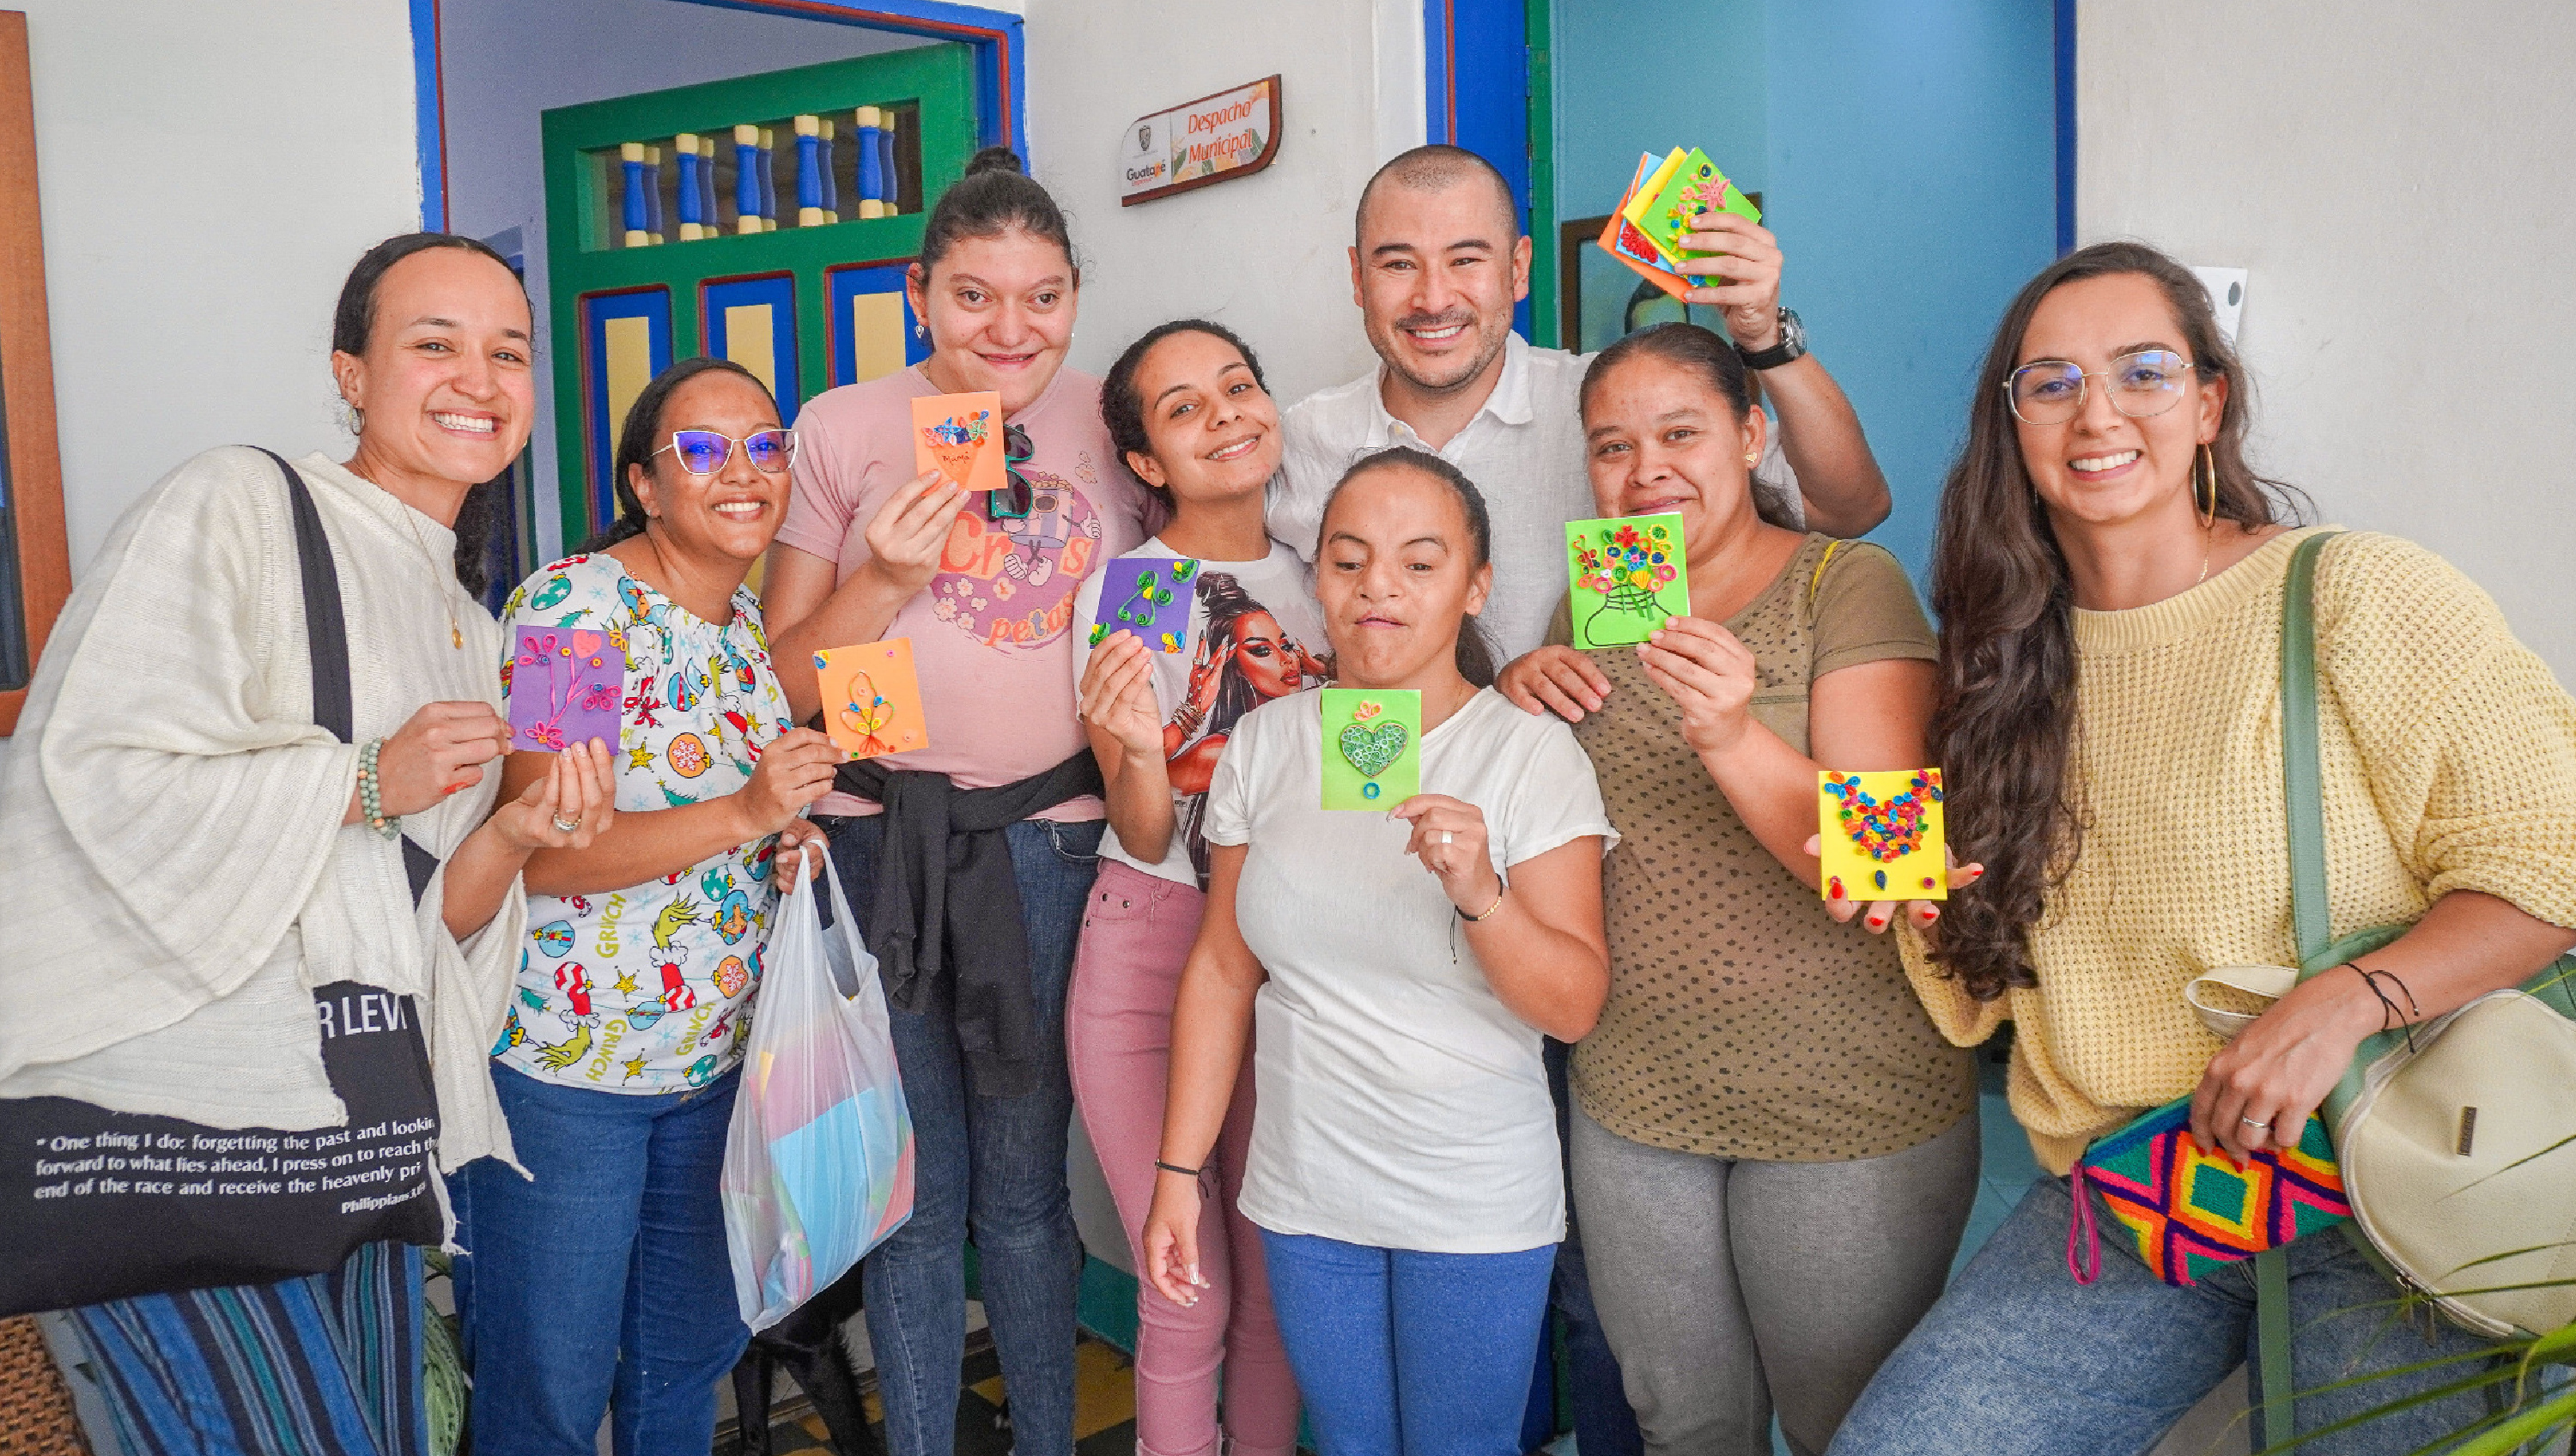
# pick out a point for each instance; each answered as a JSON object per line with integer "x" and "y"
{"x": 992, "y": 634}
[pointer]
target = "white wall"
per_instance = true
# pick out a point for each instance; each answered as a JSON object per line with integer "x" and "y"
{"x": 207, "y": 178}
{"x": 1264, "y": 255}
{"x": 2397, "y": 176}
{"x": 506, "y": 63}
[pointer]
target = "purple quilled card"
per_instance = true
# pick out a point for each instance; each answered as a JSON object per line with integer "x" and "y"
{"x": 565, "y": 687}
{"x": 1149, "y": 596}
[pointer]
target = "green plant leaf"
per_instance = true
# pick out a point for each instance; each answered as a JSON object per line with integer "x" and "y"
{"x": 2377, "y": 1412}
{"x": 2545, "y": 1419}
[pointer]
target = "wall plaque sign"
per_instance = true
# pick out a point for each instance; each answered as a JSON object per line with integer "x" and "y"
{"x": 1216, "y": 138}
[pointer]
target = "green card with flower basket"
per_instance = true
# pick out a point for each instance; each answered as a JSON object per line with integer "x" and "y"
{"x": 1629, "y": 574}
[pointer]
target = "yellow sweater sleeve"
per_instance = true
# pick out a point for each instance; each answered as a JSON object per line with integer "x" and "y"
{"x": 2467, "y": 742}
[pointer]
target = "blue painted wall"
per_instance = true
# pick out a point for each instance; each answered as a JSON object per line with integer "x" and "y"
{"x": 1906, "y": 151}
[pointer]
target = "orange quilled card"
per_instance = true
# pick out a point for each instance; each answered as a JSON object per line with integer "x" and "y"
{"x": 960, "y": 436}
{"x": 871, "y": 699}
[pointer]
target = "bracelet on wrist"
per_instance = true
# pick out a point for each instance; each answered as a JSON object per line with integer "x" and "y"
{"x": 1177, "y": 1168}
{"x": 1501, "y": 888}
{"x": 371, "y": 795}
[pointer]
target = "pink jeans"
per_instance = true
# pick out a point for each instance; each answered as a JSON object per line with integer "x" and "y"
{"x": 1136, "y": 934}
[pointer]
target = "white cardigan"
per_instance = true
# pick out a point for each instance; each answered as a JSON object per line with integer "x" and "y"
{"x": 170, "y": 815}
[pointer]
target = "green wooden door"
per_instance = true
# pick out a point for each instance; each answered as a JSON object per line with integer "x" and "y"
{"x": 766, "y": 219}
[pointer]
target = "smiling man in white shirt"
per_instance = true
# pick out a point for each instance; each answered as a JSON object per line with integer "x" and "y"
{"x": 1437, "y": 263}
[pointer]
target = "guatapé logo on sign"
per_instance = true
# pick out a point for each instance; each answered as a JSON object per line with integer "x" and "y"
{"x": 1232, "y": 132}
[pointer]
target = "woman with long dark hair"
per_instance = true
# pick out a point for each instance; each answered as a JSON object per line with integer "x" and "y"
{"x": 223, "y": 869}
{"x": 976, "y": 955}
{"x": 1186, "y": 407}
{"x": 2109, "y": 573}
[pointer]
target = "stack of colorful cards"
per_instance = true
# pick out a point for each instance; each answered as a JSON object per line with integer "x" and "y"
{"x": 1628, "y": 574}
{"x": 1149, "y": 596}
{"x": 871, "y": 698}
{"x": 1372, "y": 747}
{"x": 1880, "y": 835}
{"x": 1656, "y": 212}
{"x": 566, "y": 686}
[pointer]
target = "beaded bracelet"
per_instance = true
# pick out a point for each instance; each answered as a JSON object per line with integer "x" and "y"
{"x": 371, "y": 799}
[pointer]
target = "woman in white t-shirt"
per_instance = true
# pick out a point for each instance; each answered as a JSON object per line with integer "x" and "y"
{"x": 1403, "y": 1169}
{"x": 1186, "y": 408}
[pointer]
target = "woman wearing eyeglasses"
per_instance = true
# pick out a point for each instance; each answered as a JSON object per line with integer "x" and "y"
{"x": 2110, "y": 578}
{"x": 600, "y": 1281}
{"x": 967, "y": 861}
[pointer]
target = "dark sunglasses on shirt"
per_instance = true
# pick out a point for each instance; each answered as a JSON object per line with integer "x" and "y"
{"x": 1012, "y": 504}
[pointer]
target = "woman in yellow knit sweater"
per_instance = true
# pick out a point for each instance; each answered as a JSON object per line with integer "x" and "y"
{"x": 2109, "y": 574}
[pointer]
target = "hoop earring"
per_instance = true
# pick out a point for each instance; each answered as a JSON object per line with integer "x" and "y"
{"x": 2209, "y": 517}
{"x": 352, "y": 419}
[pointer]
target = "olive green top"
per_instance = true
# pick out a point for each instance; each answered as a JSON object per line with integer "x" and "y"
{"x": 1743, "y": 1022}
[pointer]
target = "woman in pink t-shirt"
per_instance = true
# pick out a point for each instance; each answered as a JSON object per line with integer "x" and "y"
{"x": 967, "y": 861}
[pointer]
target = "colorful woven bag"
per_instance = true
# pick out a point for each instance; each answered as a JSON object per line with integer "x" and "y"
{"x": 2192, "y": 1209}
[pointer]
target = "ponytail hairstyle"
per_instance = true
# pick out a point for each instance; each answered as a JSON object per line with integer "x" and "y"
{"x": 639, "y": 440}
{"x": 994, "y": 196}
{"x": 480, "y": 516}
{"x": 2004, "y": 725}
{"x": 1475, "y": 654}
{"x": 1122, "y": 409}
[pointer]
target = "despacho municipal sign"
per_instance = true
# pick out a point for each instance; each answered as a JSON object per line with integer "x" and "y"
{"x": 1213, "y": 139}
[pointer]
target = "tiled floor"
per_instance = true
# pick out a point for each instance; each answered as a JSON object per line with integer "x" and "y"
{"x": 1104, "y": 1408}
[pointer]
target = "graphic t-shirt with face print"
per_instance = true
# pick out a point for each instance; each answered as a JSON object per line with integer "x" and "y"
{"x": 992, "y": 634}
{"x": 1255, "y": 634}
{"x": 649, "y": 988}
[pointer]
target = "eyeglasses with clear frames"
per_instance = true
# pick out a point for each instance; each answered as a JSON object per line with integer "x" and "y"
{"x": 2144, "y": 383}
{"x": 704, "y": 452}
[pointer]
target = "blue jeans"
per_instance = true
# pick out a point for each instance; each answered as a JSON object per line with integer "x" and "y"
{"x": 1405, "y": 1352}
{"x": 993, "y": 1163}
{"x": 602, "y": 1284}
{"x": 2017, "y": 1359}
{"x": 1604, "y": 1423}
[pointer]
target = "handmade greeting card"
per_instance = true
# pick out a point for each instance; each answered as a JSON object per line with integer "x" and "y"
{"x": 871, "y": 699}
{"x": 1668, "y": 205}
{"x": 1149, "y": 596}
{"x": 1372, "y": 747}
{"x": 960, "y": 436}
{"x": 1881, "y": 835}
{"x": 565, "y": 688}
{"x": 1629, "y": 574}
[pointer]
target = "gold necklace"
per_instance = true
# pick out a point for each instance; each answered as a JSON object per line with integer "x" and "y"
{"x": 456, "y": 633}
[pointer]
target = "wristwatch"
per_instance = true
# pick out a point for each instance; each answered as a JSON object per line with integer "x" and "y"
{"x": 1792, "y": 345}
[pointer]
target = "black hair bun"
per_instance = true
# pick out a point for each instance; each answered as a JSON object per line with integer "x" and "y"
{"x": 995, "y": 159}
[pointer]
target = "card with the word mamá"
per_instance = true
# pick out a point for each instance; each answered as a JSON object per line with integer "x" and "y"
{"x": 1149, "y": 596}
{"x": 566, "y": 686}
{"x": 871, "y": 699}
{"x": 960, "y": 436}
{"x": 1880, "y": 833}
{"x": 1628, "y": 574}
{"x": 1372, "y": 747}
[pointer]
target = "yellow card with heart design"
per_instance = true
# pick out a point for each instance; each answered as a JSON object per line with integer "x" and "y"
{"x": 1880, "y": 835}
{"x": 1372, "y": 747}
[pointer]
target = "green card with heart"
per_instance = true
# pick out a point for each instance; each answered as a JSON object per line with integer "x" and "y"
{"x": 1372, "y": 747}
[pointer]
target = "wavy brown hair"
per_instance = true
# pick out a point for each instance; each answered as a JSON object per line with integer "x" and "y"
{"x": 2004, "y": 728}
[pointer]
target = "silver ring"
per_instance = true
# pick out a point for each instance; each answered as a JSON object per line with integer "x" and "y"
{"x": 2258, "y": 1126}
{"x": 1446, "y": 836}
{"x": 566, "y": 826}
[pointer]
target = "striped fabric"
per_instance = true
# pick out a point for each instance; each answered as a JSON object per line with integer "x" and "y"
{"x": 326, "y": 1365}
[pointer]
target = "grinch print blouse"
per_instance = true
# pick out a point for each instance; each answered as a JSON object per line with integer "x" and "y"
{"x": 648, "y": 989}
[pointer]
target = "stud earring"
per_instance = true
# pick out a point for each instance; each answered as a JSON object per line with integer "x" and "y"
{"x": 1752, "y": 458}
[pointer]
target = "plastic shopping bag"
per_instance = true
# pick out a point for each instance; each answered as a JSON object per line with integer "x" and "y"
{"x": 818, "y": 1163}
